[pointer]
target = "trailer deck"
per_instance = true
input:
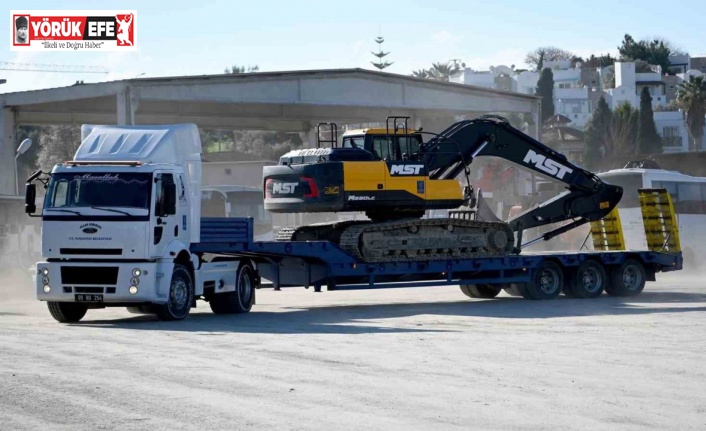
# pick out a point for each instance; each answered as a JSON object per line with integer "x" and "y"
{"x": 317, "y": 263}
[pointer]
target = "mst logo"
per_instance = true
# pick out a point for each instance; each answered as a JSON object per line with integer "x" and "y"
{"x": 406, "y": 169}
{"x": 284, "y": 188}
{"x": 547, "y": 165}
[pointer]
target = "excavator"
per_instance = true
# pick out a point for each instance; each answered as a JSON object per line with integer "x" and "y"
{"x": 394, "y": 176}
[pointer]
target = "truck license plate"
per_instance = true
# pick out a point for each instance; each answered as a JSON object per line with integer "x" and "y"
{"x": 84, "y": 297}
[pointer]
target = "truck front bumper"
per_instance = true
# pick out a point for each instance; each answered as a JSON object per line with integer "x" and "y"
{"x": 101, "y": 282}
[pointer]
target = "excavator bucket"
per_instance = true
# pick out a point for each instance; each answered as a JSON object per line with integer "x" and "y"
{"x": 480, "y": 212}
{"x": 607, "y": 233}
{"x": 483, "y": 210}
{"x": 660, "y": 221}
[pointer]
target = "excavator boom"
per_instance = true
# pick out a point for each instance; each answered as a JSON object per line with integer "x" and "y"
{"x": 587, "y": 197}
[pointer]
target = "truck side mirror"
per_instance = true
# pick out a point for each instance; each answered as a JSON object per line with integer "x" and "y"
{"x": 30, "y": 197}
{"x": 169, "y": 205}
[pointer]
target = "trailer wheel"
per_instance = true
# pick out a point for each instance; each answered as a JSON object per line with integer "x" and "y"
{"x": 67, "y": 312}
{"x": 627, "y": 279}
{"x": 547, "y": 282}
{"x": 587, "y": 281}
{"x": 242, "y": 299}
{"x": 181, "y": 295}
{"x": 484, "y": 291}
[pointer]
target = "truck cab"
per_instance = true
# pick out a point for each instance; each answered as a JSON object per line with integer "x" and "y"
{"x": 118, "y": 221}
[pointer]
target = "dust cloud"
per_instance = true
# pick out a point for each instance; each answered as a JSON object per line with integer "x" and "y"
{"x": 15, "y": 275}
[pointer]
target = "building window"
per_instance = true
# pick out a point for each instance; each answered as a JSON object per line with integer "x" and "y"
{"x": 671, "y": 136}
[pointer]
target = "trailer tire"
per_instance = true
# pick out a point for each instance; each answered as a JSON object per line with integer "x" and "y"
{"x": 242, "y": 299}
{"x": 627, "y": 279}
{"x": 67, "y": 312}
{"x": 482, "y": 291}
{"x": 547, "y": 282}
{"x": 181, "y": 296}
{"x": 589, "y": 280}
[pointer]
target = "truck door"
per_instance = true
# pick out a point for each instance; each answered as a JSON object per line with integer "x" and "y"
{"x": 164, "y": 218}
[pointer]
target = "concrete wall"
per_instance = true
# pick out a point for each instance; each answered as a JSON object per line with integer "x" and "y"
{"x": 234, "y": 173}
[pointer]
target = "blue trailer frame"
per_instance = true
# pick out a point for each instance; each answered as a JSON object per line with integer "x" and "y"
{"x": 317, "y": 263}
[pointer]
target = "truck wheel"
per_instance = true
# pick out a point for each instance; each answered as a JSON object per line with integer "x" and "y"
{"x": 181, "y": 295}
{"x": 588, "y": 281}
{"x": 627, "y": 279}
{"x": 484, "y": 291}
{"x": 547, "y": 282}
{"x": 242, "y": 299}
{"x": 67, "y": 312}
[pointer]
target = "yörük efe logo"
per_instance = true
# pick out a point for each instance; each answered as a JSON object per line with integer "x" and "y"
{"x": 73, "y": 30}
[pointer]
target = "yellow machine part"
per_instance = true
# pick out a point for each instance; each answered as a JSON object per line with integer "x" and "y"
{"x": 607, "y": 233}
{"x": 368, "y": 176}
{"x": 660, "y": 220}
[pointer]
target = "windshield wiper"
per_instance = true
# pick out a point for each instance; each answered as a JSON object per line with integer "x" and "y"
{"x": 113, "y": 210}
{"x": 63, "y": 210}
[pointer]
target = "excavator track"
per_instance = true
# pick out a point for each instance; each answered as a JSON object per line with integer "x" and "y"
{"x": 410, "y": 240}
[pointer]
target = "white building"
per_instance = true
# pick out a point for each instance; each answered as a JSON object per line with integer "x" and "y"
{"x": 575, "y": 99}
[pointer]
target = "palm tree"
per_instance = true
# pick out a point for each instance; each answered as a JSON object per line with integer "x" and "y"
{"x": 691, "y": 97}
{"x": 443, "y": 71}
{"x": 421, "y": 73}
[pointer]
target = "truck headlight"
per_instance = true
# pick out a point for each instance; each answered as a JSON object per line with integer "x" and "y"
{"x": 45, "y": 280}
{"x": 134, "y": 281}
{"x": 45, "y": 271}
{"x": 133, "y": 290}
{"x": 47, "y": 289}
{"x": 136, "y": 272}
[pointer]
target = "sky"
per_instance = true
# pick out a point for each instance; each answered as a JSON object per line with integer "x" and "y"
{"x": 204, "y": 37}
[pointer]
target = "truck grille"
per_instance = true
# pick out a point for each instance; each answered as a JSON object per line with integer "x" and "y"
{"x": 92, "y": 251}
{"x": 91, "y": 275}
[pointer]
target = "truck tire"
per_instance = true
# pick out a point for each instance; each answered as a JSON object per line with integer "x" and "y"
{"x": 627, "y": 279}
{"x": 547, "y": 282}
{"x": 587, "y": 281}
{"x": 67, "y": 312}
{"x": 242, "y": 299}
{"x": 181, "y": 296}
{"x": 483, "y": 291}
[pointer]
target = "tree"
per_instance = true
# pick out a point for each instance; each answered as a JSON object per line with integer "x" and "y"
{"x": 57, "y": 144}
{"x": 624, "y": 131}
{"x": 648, "y": 141}
{"x": 537, "y": 57}
{"x": 598, "y": 134}
{"x": 380, "y": 64}
{"x": 653, "y": 51}
{"x": 421, "y": 73}
{"x": 439, "y": 71}
{"x": 235, "y": 69}
{"x": 691, "y": 97}
{"x": 599, "y": 61}
{"x": 545, "y": 89}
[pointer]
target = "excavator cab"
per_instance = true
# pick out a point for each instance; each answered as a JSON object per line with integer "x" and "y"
{"x": 394, "y": 143}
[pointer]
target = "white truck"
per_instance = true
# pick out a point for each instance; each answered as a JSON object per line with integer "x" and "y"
{"x": 117, "y": 225}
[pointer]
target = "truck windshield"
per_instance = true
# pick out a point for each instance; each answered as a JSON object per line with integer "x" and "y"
{"x": 95, "y": 189}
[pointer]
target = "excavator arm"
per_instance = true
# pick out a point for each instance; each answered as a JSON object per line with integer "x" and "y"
{"x": 587, "y": 197}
